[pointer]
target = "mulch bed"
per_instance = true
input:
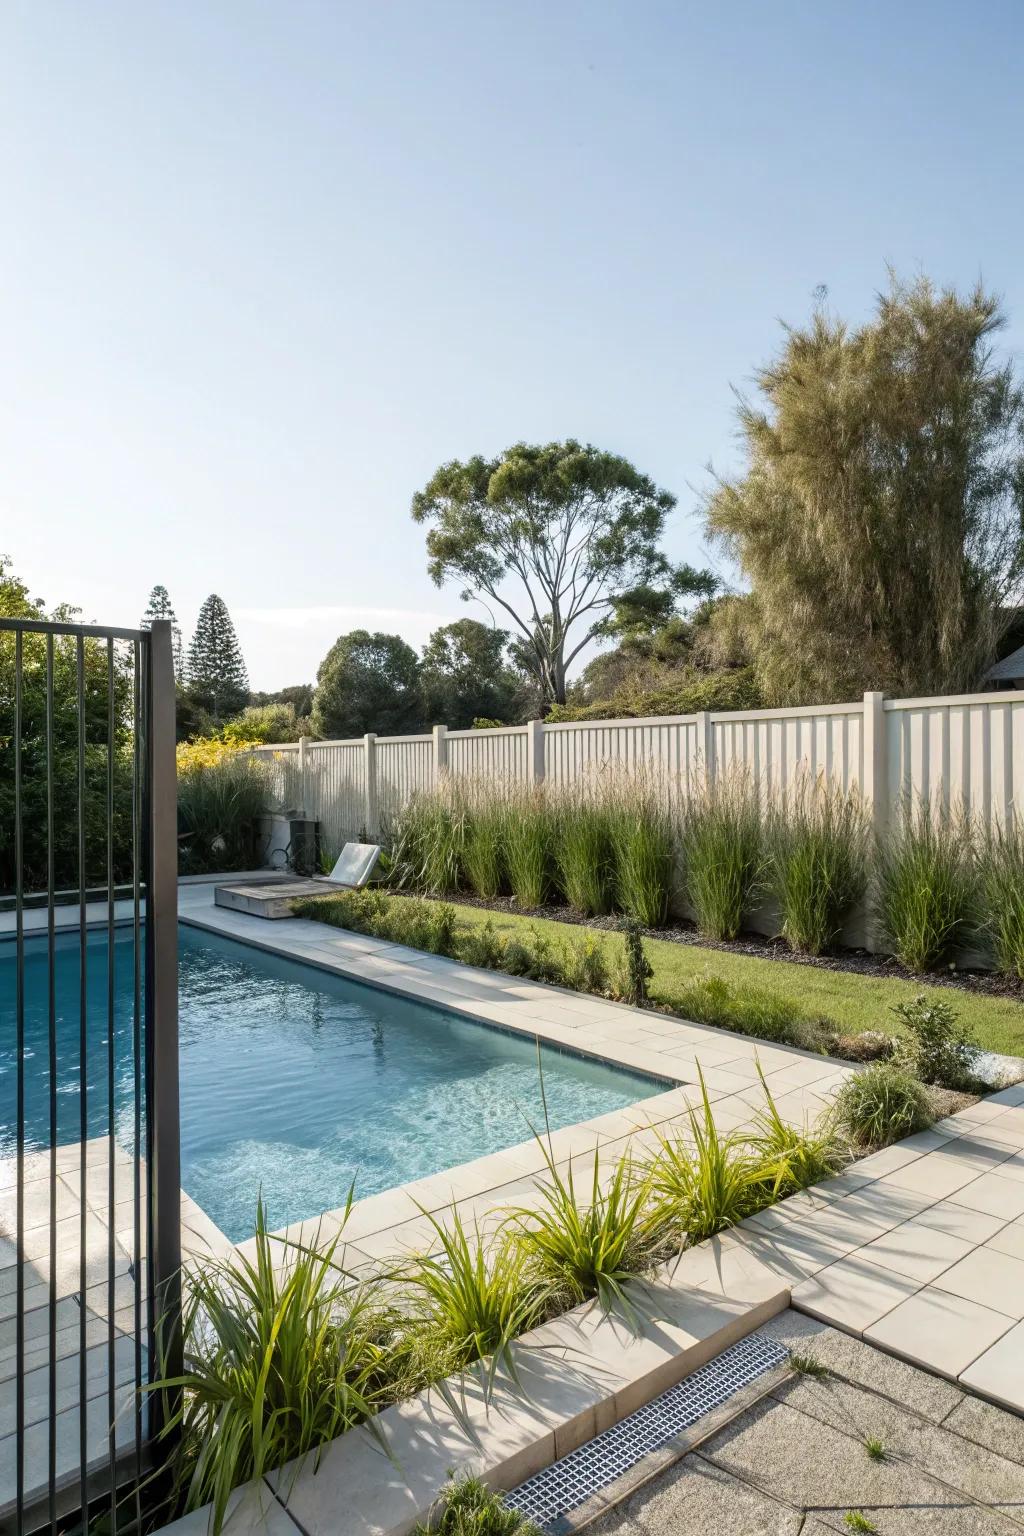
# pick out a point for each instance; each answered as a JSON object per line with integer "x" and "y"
{"x": 857, "y": 962}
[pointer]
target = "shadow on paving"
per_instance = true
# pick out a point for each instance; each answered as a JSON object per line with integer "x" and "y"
{"x": 796, "y": 1463}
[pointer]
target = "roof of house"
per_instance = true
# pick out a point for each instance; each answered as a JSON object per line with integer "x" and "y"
{"x": 1009, "y": 669}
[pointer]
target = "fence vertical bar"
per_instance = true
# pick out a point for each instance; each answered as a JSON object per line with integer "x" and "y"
{"x": 83, "y": 1086}
{"x": 51, "y": 956}
{"x": 162, "y": 1022}
{"x": 440, "y": 752}
{"x": 371, "y": 803}
{"x": 874, "y": 781}
{"x": 111, "y": 1088}
{"x": 138, "y": 748}
{"x": 19, "y": 921}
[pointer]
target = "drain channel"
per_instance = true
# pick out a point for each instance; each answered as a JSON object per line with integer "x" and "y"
{"x": 569, "y": 1483}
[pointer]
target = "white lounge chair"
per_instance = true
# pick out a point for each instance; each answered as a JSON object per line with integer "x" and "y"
{"x": 355, "y": 865}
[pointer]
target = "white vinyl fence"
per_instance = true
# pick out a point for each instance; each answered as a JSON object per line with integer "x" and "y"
{"x": 968, "y": 750}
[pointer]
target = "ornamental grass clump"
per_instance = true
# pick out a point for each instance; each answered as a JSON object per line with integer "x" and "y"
{"x": 926, "y": 885}
{"x": 465, "y": 1304}
{"x": 643, "y": 848}
{"x": 588, "y": 1248}
{"x": 530, "y": 839}
{"x": 280, "y": 1358}
{"x": 817, "y": 861}
{"x": 483, "y": 852}
{"x": 1002, "y": 894}
{"x": 583, "y": 849}
{"x": 221, "y": 796}
{"x": 468, "y": 1508}
{"x": 427, "y": 841}
{"x": 881, "y": 1105}
{"x": 723, "y": 853}
{"x": 705, "y": 1182}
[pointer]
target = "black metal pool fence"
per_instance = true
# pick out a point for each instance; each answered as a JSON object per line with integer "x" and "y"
{"x": 90, "y": 1239}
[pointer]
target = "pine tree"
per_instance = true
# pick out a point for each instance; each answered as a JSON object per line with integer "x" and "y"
{"x": 217, "y": 678}
{"x": 160, "y": 607}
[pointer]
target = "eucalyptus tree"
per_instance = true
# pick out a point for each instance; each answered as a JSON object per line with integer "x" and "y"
{"x": 554, "y": 535}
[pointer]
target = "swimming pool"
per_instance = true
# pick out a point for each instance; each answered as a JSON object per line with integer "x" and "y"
{"x": 294, "y": 1082}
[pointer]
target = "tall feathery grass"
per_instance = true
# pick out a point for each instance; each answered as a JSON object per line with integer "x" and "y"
{"x": 1002, "y": 894}
{"x": 723, "y": 851}
{"x": 484, "y": 859}
{"x": 427, "y": 840}
{"x": 881, "y": 1105}
{"x": 531, "y": 836}
{"x": 926, "y": 895}
{"x": 817, "y": 861}
{"x": 584, "y": 848}
{"x": 643, "y": 847}
{"x": 220, "y": 800}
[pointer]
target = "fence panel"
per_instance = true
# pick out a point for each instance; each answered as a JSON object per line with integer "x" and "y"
{"x": 666, "y": 746}
{"x": 334, "y": 789}
{"x": 773, "y": 745}
{"x": 966, "y": 750}
{"x": 404, "y": 764}
{"x": 499, "y": 754}
{"x": 88, "y": 1067}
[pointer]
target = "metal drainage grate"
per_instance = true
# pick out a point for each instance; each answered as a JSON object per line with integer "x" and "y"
{"x": 569, "y": 1483}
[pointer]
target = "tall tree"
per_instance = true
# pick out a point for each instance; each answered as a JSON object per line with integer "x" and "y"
{"x": 217, "y": 679}
{"x": 553, "y": 535}
{"x": 367, "y": 683}
{"x": 465, "y": 675}
{"x": 159, "y": 606}
{"x": 879, "y": 521}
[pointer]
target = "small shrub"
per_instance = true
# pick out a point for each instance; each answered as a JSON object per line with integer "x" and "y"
{"x": 1002, "y": 894}
{"x": 585, "y": 966}
{"x": 926, "y": 897}
{"x": 722, "y": 846}
{"x": 702, "y": 1189}
{"x": 643, "y": 850}
{"x": 483, "y": 946}
{"x": 582, "y": 1250}
{"x": 468, "y": 1508}
{"x": 818, "y": 862}
{"x": 583, "y": 851}
{"x": 938, "y": 1048}
{"x": 637, "y": 970}
{"x": 881, "y": 1105}
{"x": 529, "y": 848}
{"x": 710, "y": 999}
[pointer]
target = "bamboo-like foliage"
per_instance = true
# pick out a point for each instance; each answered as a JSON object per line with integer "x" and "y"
{"x": 879, "y": 519}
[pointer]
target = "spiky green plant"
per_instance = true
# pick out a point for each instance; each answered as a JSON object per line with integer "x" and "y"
{"x": 817, "y": 861}
{"x": 723, "y": 853}
{"x": 589, "y": 1246}
{"x": 426, "y": 841}
{"x": 1002, "y": 893}
{"x": 282, "y": 1355}
{"x": 530, "y": 836}
{"x": 926, "y": 898}
{"x": 792, "y": 1159}
{"x": 881, "y": 1105}
{"x": 583, "y": 849}
{"x": 468, "y": 1301}
{"x": 643, "y": 847}
{"x": 706, "y": 1182}
{"x": 483, "y": 854}
{"x": 468, "y": 1508}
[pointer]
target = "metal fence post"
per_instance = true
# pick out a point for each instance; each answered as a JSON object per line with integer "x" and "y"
{"x": 162, "y": 1014}
{"x": 371, "y": 804}
{"x": 535, "y": 751}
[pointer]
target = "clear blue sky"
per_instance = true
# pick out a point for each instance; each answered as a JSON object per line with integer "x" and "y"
{"x": 264, "y": 265}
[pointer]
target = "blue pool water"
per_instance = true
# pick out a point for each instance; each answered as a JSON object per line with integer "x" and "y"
{"x": 294, "y": 1082}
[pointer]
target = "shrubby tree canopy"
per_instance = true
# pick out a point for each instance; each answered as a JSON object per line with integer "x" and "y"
{"x": 367, "y": 683}
{"x": 879, "y": 519}
{"x": 217, "y": 679}
{"x": 551, "y": 534}
{"x": 465, "y": 675}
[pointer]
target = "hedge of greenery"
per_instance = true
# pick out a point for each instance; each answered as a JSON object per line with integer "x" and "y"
{"x": 612, "y": 845}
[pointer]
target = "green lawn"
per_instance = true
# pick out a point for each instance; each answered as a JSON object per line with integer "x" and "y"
{"x": 852, "y": 1002}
